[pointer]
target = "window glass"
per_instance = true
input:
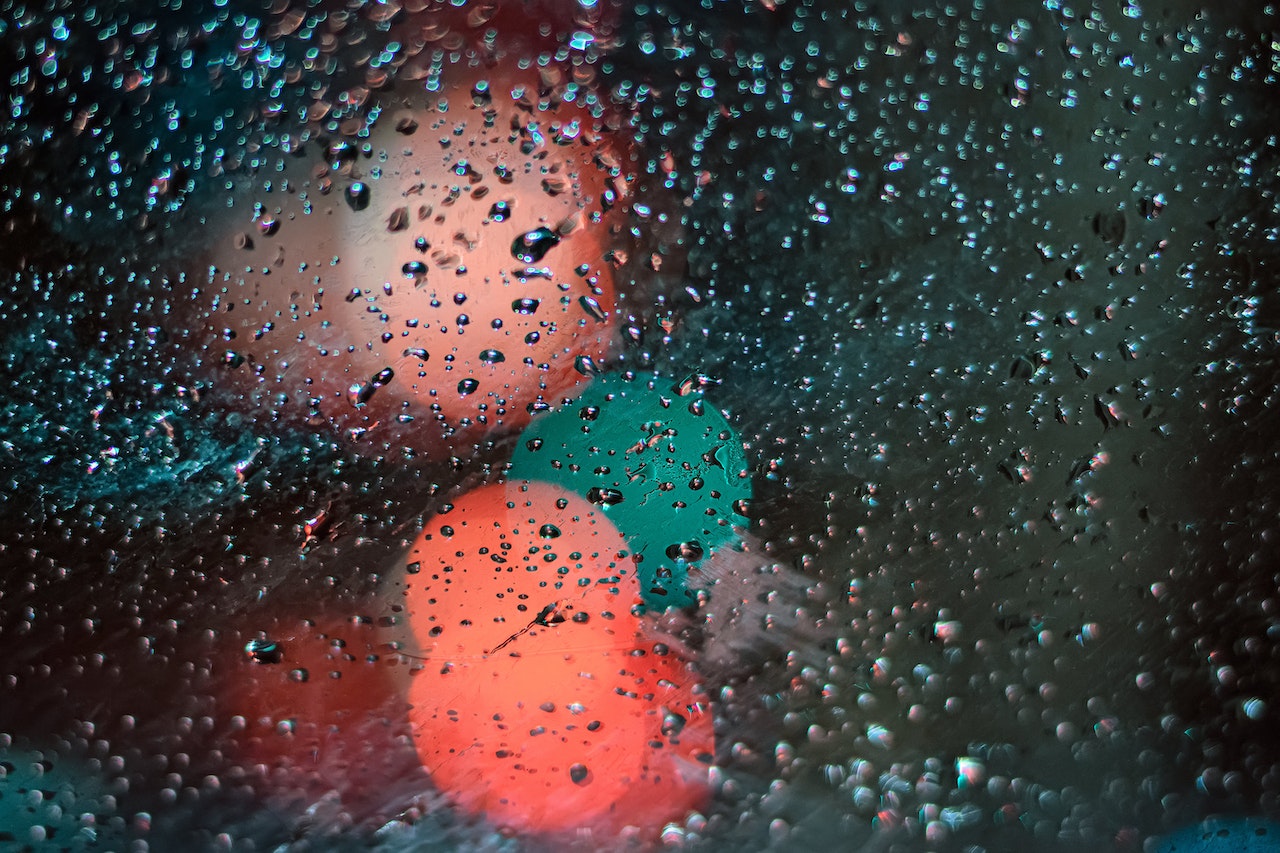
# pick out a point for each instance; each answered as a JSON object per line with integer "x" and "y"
{"x": 724, "y": 425}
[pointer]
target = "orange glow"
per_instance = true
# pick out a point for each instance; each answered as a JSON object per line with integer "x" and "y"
{"x": 320, "y": 702}
{"x": 539, "y": 703}
{"x": 383, "y": 278}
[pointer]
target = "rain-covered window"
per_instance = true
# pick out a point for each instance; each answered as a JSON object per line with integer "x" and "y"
{"x": 733, "y": 425}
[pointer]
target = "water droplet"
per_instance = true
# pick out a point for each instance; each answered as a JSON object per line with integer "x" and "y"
{"x": 525, "y": 305}
{"x": 500, "y": 211}
{"x": 492, "y": 356}
{"x": 468, "y": 386}
{"x": 690, "y": 552}
{"x": 530, "y": 247}
{"x": 1110, "y": 226}
{"x": 263, "y": 651}
{"x": 580, "y": 774}
{"x": 1154, "y": 206}
{"x": 406, "y": 124}
{"x": 695, "y": 383}
{"x": 604, "y": 497}
{"x": 548, "y": 531}
{"x": 417, "y": 352}
{"x": 359, "y": 393}
{"x": 357, "y": 196}
{"x": 554, "y": 185}
{"x": 593, "y": 308}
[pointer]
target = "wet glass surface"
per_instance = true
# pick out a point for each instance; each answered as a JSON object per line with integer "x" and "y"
{"x": 874, "y": 404}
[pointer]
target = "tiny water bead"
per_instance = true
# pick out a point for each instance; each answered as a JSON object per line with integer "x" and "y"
{"x": 536, "y": 700}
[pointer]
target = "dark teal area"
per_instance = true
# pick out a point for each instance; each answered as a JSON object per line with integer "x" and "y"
{"x": 662, "y": 462}
{"x": 1224, "y": 835}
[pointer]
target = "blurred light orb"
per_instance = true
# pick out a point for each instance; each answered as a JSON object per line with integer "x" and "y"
{"x": 537, "y": 702}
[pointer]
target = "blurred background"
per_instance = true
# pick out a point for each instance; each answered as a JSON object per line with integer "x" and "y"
{"x": 984, "y": 288}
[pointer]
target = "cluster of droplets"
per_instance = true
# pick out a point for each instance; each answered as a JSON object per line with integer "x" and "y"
{"x": 987, "y": 294}
{"x": 951, "y": 322}
{"x": 56, "y": 798}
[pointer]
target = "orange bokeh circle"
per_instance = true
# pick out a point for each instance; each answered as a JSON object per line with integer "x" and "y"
{"x": 427, "y": 278}
{"x": 539, "y": 701}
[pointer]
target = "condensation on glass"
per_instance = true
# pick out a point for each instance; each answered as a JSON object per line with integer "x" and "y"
{"x": 733, "y": 425}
